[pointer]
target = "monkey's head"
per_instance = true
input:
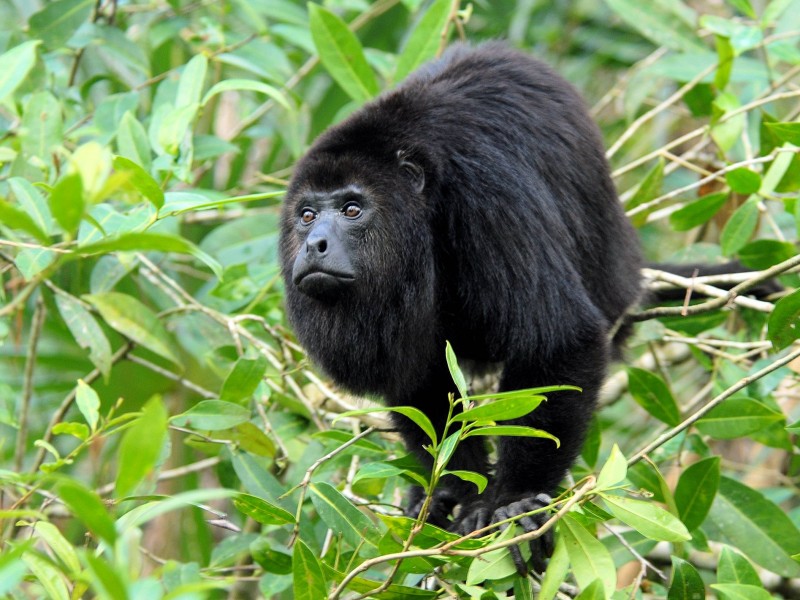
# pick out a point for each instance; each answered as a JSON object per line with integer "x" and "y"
{"x": 350, "y": 222}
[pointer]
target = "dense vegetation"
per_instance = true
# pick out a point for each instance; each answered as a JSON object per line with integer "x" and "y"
{"x": 163, "y": 436}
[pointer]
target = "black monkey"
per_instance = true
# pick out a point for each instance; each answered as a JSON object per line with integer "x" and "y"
{"x": 473, "y": 203}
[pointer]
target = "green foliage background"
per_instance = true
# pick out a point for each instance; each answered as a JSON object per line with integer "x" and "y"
{"x": 163, "y": 435}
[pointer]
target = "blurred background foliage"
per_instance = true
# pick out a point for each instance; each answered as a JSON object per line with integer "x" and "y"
{"x": 162, "y": 434}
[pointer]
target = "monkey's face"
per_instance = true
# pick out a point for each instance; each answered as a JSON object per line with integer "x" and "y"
{"x": 329, "y": 227}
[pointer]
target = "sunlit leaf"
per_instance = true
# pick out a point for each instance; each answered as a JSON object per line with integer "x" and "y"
{"x": 342, "y": 54}
{"x": 140, "y": 448}
{"x": 614, "y": 471}
{"x": 212, "y": 415}
{"x": 426, "y": 39}
{"x": 15, "y": 64}
{"x": 589, "y": 558}
{"x": 647, "y": 518}
{"x": 135, "y": 321}
{"x": 262, "y": 511}
{"x": 57, "y": 21}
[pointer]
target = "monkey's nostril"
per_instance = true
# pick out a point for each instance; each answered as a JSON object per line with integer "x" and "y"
{"x": 322, "y": 246}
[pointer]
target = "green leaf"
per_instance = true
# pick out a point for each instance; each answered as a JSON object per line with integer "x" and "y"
{"x": 212, "y": 415}
{"x": 763, "y": 254}
{"x": 62, "y": 548}
{"x": 411, "y": 413}
{"x": 446, "y": 450}
{"x": 139, "y": 515}
{"x": 479, "y": 480}
{"x": 695, "y": 491}
{"x": 242, "y": 381}
{"x": 455, "y": 371}
{"x": 736, "y": 591}
{"x": 67, "y": 202}
{"x": 57, "y": 21}
{"x": 698, "y": 212}
{"x": 135, "y": 321}
{"x": 339, "y": 514}
{"x": 756, "y": 526}
{"x": 14, "y": 218}
{"x": 686, "y": 582}
{"x": 307, "y": 575}
{"x": 341, "y": 53}
{"x": 494, "y": 565}
{"x": 513, "y": 431}
{"x": 727, "y": 133}
{"x": 248, "y": 85}
{"x": 647, "y": 518}
{"x": 87, "y": 506}
{"x": 426, "y": 39}
{"x": 191, "y": 82}
{"x": 141, "y": 446}
{"x": 49, "y": 576}
{"x": 140, "y": 180}
{"x": 652, "y": 394}
{"x": 42, "y": 126}
{"x": 735, "y": 568}
{"x": 738, "y": 417}
{"x": 557, "y": 569}
{"x": 657, "y": 22}
{"x": 589, "y": 558}
{"x": 262, "y": 511}
{"x": 649, "y": 189}
{"x": 251, "y": 439}
{"x": 614, "y": 471}
{"x": 787, "y": 132}
{"x": 783, "y": 326}
{"x": 726, "y": 54}
{"x": 501, "y": 410}
{"x": 740, "y": 227}
{"x": 105, "y": 579}
{"x": 132, "y": 142}
{"x": 594, "y": 591}
{"x": 744, "y": 7}
{"x": 89, "y": 335}
{"x": 743, "y": 181}
{"x": 777, "y": 169}
{"x": 15, "y": 64}
{"x": 149, "y": 242}
{"x": 88, "y": 403}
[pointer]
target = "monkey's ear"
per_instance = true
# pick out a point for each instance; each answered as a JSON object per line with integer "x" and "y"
{"x": 412, "y": 170}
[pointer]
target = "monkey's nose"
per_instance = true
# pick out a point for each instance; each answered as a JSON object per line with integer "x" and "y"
{"x": 318, "y": 245}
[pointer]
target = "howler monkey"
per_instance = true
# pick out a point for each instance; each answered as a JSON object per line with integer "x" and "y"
{"x": 473, "y": 203}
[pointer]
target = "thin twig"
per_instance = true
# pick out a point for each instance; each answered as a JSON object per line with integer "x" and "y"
{"x": 742, "y": 383}
{"x": 27, "y": 383}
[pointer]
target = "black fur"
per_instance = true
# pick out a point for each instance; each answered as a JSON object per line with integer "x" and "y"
{"x": 490, "y": 220}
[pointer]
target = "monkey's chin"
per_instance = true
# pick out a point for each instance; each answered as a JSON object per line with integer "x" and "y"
{"x": 327, "y": 287}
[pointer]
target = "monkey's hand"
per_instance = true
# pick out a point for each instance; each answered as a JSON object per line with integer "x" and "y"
{"x": 481, "y": 514}
{"x": 441, "y": 506}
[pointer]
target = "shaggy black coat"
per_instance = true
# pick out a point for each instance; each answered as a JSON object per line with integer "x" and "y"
{"x": 491, "y": 221}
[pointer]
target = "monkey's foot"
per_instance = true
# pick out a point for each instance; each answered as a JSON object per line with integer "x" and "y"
{"x": 482, "y": 514}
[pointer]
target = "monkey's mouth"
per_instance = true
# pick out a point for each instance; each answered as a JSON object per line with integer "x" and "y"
{"x": 322, "y": 284}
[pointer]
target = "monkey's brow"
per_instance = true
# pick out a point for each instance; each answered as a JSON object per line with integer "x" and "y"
{"x": 348, "y": 192}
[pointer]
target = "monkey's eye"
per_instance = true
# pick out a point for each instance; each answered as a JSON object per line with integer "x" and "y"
{"x": 307, "y": 216}
{"x": 351, "y": 210}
